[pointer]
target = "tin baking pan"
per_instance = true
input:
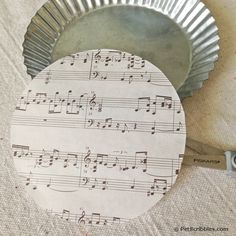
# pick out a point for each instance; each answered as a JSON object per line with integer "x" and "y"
{"x": 178, "y": 36}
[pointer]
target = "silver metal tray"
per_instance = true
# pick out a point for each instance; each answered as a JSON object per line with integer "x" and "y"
{"x": 178, "y": 36}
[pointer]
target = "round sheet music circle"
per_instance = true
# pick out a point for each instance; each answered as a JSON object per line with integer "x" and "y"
{"x": 97, "y": 137}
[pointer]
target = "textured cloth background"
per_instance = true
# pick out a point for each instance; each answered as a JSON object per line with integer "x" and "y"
{"x": 200, "y": 198}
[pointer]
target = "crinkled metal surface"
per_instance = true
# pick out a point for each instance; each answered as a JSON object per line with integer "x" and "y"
{"x": 179, "y": 36}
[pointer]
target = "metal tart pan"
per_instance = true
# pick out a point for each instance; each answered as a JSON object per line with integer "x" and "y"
{"x": 178, "y": 36}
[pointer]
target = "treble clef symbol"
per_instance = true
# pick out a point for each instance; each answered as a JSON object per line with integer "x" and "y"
{"x": 81, "y": 220}
{"x": 87, "y": 159}
{"x": 98, "y": 56}
{"x": 92, "y": 102}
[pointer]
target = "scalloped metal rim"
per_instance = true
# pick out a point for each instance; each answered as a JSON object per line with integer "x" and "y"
{"x": 192, "y": 17}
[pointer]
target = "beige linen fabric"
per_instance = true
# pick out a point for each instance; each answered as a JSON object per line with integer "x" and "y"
{"x": 201, "y": 197}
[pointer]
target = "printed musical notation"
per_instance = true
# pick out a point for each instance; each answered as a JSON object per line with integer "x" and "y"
{"x": 154, "y": 78}
{"x": 102, "y": 124}
{"x": 134, "y": 69}
{"x": 88, "y": 219}
{"x": 93, "y": 161}
{"x": 66, "y": 183}
{"x": 97, "y": 130}
{"x": 70, "y": 104}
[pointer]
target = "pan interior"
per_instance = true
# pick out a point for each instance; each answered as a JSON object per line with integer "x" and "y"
{"x": 137, "y": 30}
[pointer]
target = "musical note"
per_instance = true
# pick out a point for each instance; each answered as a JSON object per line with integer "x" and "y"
{"x": 179, "y": 126}
{"x": 39, "y": 98}
{"x": 22, "y": 103}
{"x": 49, "y": 184}
{"x": 94, "y": 185}
{"x": 143, "y": 103}
{"x": 55, "y": 105}
{"x": 95, "y": 219}
{"x": 72, "y": 60}
{"x": 107, "y": 123}
{"x": 179, "y": 108}
{"x": 136, "y": 63}
{"x": 158, "y": 185}
{"x": 74, "y": 158}
{"x": 65, "y": 215}
{"x": 105, "y": 185}
{"x": 63, "y": 60}
{"x": 133, "y": 185}
{"x": 66, "y": 162}
{"x": 74, "y": 106}
{"x": 142, "y": 158}
{"x": 116, "y": 220}
{"x": 48, "y": 77}
{"x": 166, "y": 102}
{"x": 46, "y": 159}
{"x": 20, "y": 150}
{"x": 101, "y": 159}
{"x": 28, "y": 180}
{"x": 105, "y": 222}
{"x": 86, "y": 58}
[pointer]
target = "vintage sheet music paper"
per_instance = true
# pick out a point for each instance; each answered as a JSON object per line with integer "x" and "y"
{"x": 97, "y": 137}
